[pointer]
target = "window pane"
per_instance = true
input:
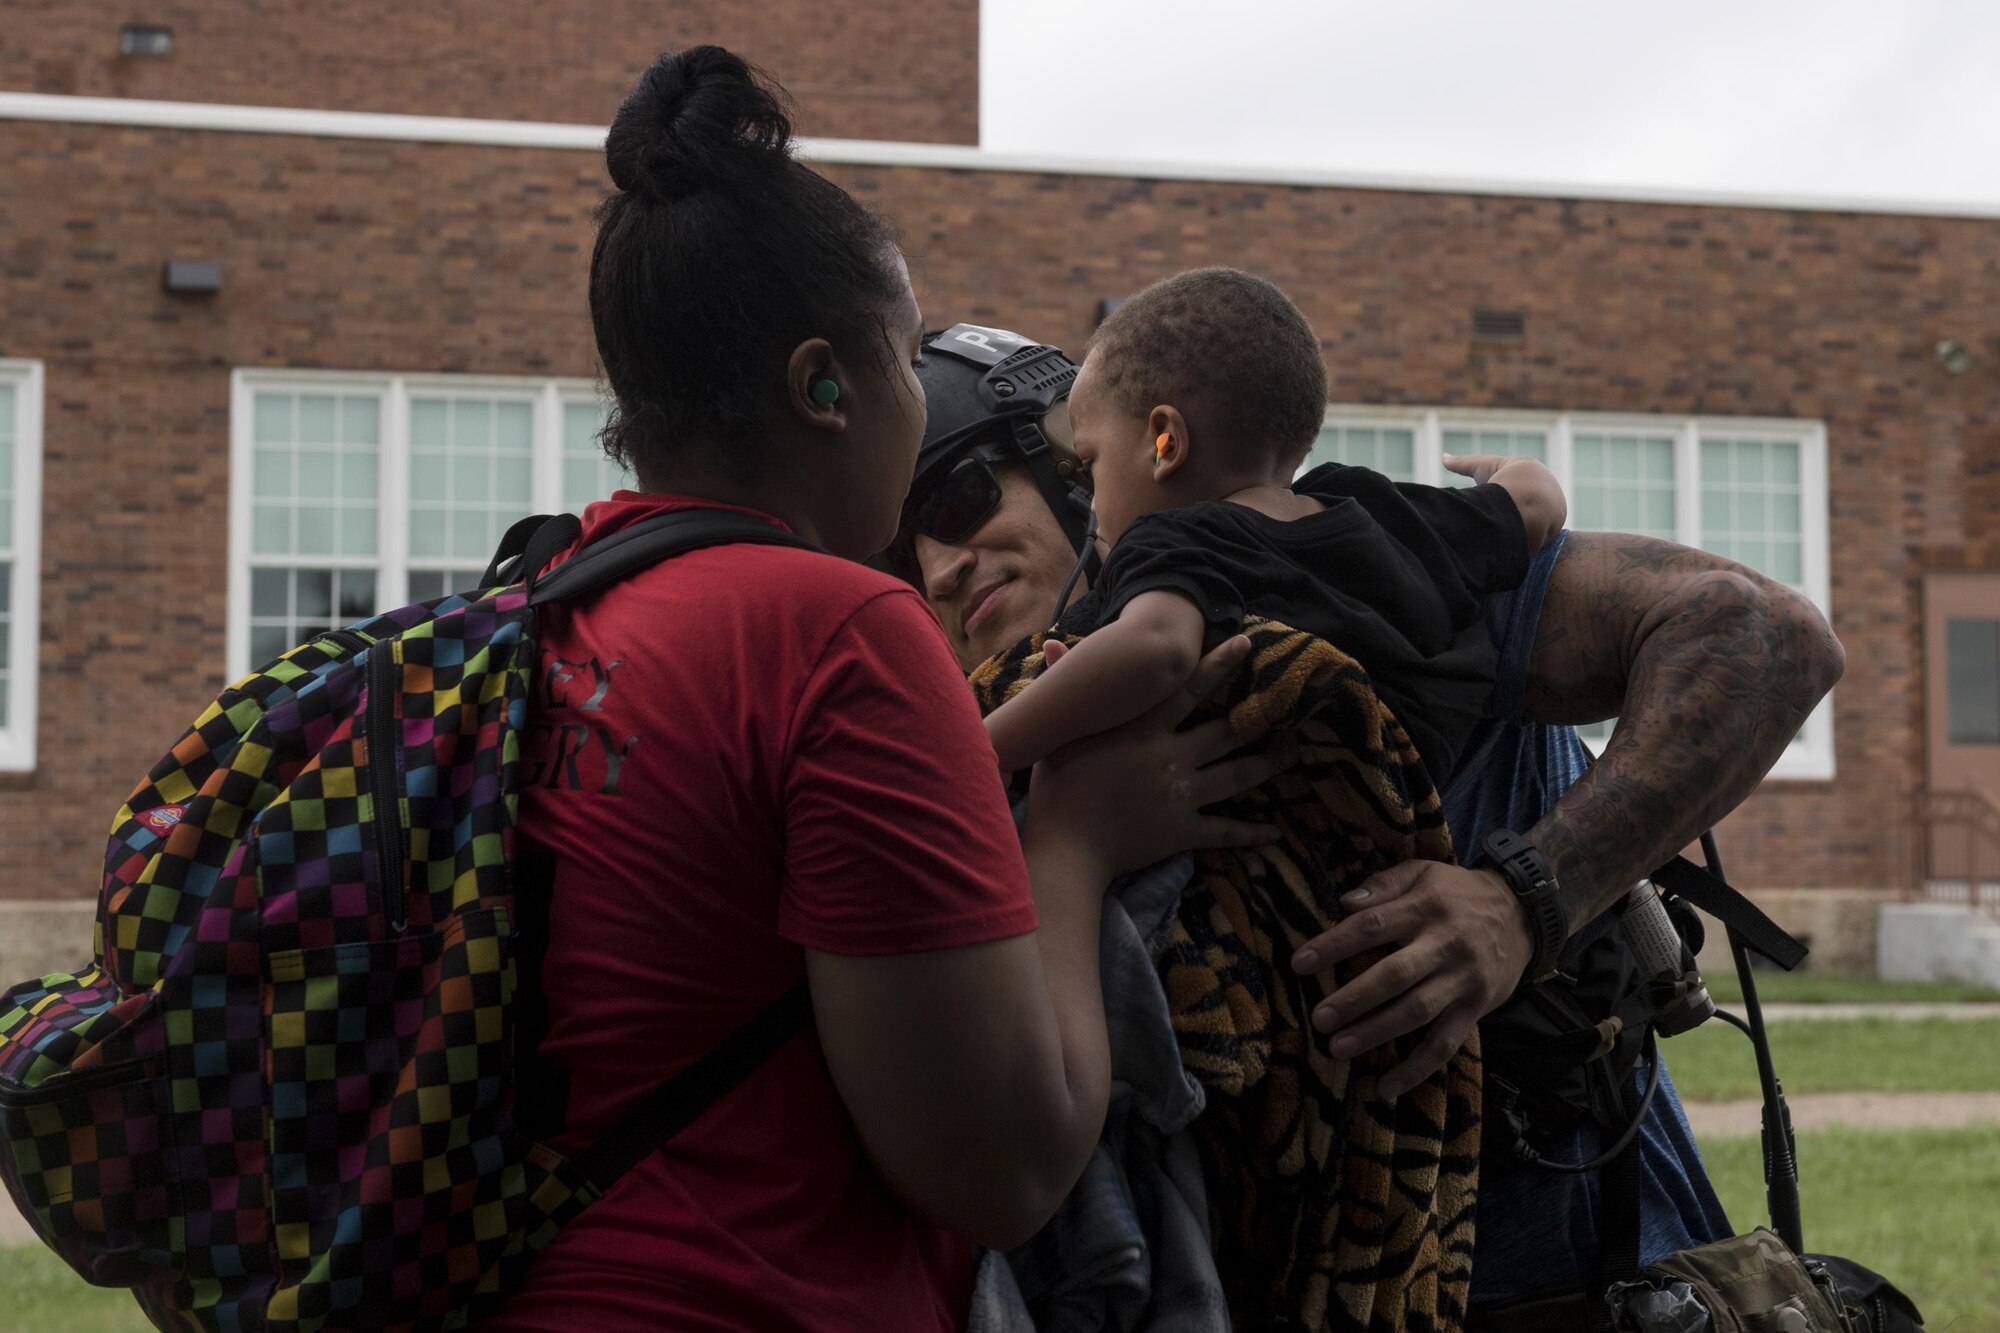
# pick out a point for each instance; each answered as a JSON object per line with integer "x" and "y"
{"x": 427, "y": 585}
{"x": 581, "y": 422}
{"x": 1784, "y": 516}
{"x": 470, "y": 476}
{"x": 512, "y": 428}
{"x": 317, "y": 474}
{"x": 315, "y": 531}
{"x": 1390, "y": 450}
{"x": 1749, "y": 461}
{"x": 513, "y": 480}
{"x": 270, "y": 592}
{"x": 360, "y": 478}
{"x": 470, "y": 537}
{"x": 356, "y": 594}
{"x": 427, "y": 423}
{"x": 1788, "y": 560}
{"x": 271, "y": 418}
{"x": 271, "y": 530}
{"x": 289, "y": 605}
{"x": 316, "y": 419}
{"x": 427, "y": 531}
{"x": 357, "y": 531}
{"x": 1399, "y": 453}
{"x": 471, "y": 427}
{"x": 579, "y": 484}
{"x": 1623, "y": 483}
{"x": 271, "y": 474}
{"x": 428, "y": 475}
{"x": 312, "y": 593}
{"x": 1972, "y": 669}
{"x": 314, "y": 473}
{"x": 268, "y": 642}
{"x": 360, "y": 421}
{"x": 1752, "y": 504}
{"x": 1716, "y": 518}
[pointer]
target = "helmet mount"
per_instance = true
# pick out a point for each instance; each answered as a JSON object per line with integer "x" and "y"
{"x": 993, "y": 386}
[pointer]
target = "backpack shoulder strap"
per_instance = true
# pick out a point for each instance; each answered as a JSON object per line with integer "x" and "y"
{"x": 643, "y": 544}
{"x": 675, "y": 1104}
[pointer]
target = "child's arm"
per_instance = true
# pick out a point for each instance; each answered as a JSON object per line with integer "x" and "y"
{"x": 1115, "y": 675}
{"x": 1535, "y": 490}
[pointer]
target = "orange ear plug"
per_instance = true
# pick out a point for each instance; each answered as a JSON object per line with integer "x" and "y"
{"x": 1160, "y": 447}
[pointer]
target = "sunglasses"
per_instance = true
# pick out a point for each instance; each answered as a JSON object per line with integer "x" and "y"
{"x": 965, "y": 497}
{"x": 958, "y": 504}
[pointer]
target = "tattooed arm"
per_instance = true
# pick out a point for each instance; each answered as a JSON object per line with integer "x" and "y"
{"x": 1711, "y": 669}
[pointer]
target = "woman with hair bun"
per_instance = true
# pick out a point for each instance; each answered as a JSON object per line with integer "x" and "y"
{"x": 755, "y": 765}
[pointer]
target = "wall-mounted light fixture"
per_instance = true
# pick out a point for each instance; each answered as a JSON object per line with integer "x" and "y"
{"x": 192, "y": 277}
{"x": 1108, "y": 307}
{"x": 146, "y": 41}
{"x": 1953, "y": 356}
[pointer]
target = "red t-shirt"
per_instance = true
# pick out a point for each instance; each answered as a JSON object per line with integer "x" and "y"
{"x": 740, "y": 753}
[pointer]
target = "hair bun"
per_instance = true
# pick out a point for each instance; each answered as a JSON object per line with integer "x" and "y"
{"x": 696, "y": 118}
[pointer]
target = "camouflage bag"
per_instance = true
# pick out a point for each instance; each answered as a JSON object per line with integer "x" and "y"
{"x": 1756, "y": 1284}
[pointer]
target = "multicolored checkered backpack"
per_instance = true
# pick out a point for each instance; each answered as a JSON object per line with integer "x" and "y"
{"x": 281, "y": 1097}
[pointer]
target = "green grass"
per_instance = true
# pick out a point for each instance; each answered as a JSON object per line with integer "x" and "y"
{"x": 1715, "y": 1062}
{"x": 1915, "y": 1205}
{"x": 1775, "y": 987}
{"x": 40, "y": 1294}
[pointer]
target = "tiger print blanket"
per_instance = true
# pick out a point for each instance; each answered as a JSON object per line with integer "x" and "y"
{"x": 1332, "y": 1207}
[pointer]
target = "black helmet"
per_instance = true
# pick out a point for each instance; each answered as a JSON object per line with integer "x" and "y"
{"x": 997, "y": 393}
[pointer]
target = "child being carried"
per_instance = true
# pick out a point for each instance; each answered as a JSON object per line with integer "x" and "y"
{"x": 1199, "y": 401}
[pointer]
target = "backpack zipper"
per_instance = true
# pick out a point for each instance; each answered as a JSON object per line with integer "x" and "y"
{"x": 345, "y": 638}
{"x": 382, "y": 785}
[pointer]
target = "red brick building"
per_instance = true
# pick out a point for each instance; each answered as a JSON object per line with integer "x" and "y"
{"x": 393, "y": 205}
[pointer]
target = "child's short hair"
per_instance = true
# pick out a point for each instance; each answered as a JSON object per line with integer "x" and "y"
{"x": 1226, "y": 345}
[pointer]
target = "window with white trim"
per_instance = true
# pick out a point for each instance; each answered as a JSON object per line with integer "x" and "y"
{"x": 1753, "y": 490}
{"x": 20, "y": 558}
{"x": 352, "y": 494}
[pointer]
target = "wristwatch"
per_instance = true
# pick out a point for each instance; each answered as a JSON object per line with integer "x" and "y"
{"x": 1527, "y": 873}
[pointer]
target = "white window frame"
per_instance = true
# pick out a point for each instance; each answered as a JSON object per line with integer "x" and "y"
{"x": 392, "y": 560}
{"x": 1812, "y": 757}
{"x": 17, "y": 738}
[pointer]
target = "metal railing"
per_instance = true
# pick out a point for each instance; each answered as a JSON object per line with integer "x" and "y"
{"x": 1958, "y": 847}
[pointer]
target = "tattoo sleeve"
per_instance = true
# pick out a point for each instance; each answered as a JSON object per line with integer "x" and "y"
{"x": 1711, "y": 670}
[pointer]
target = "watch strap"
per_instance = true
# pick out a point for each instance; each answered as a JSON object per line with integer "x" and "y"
{"x": 1528, "y": 874}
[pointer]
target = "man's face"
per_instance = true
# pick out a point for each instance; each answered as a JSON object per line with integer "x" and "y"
{"x": 1001, "y": 583}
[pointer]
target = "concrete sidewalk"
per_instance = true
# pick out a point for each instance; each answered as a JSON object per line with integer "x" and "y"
{"x": 1786, "y": 1013}
{"x": 1864, "y": 1110}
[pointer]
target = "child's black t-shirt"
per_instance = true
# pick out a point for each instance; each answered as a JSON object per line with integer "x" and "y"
{"x": 1394, "y": 575}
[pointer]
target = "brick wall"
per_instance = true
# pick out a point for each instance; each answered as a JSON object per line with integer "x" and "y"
{"x": 366, "y": 255}
{"x": 865, "y": 71}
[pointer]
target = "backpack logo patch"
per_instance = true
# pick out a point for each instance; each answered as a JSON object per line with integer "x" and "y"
{"x": 162, "y": 818}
